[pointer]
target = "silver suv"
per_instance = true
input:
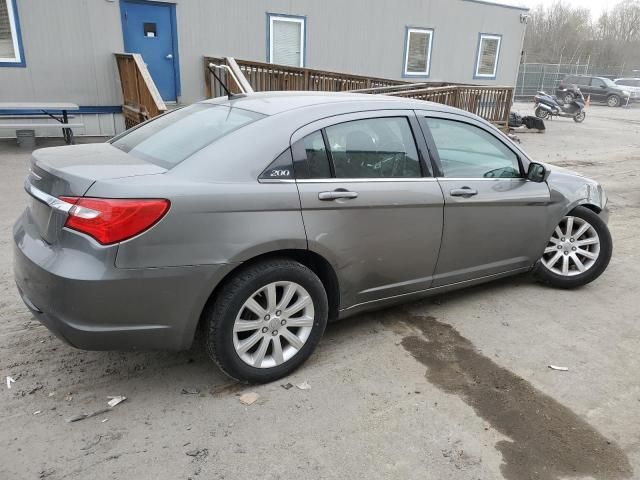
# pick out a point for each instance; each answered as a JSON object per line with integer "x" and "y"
{"x": 262, "y": 217}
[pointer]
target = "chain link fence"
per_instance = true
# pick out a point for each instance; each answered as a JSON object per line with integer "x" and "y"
{"x": 533, "y": 77}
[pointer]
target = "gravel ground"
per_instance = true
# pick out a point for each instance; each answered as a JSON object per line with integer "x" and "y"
{"x": 455, "y": 386}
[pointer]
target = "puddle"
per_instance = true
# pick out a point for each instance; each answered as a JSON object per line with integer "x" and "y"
{"x": 547, "y": 440}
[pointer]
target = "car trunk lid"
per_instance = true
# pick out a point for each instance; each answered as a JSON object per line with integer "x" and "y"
{"x": 70, "y": 171}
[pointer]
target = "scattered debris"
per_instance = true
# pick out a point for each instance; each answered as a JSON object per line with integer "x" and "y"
{"x": 68, "y": 397}
{"x": 112, "y": 403}
{"x": 198, "y": 452}
{"x": 10, "y": 381}
{"x": 104, "y": 420}
{"x": 190, "y": 391}
{"x": 304, "y": 385}
{"x": 116, "y": 400}
{"x": 287, "y": 386}
{"x": 51, "y": 394}
{"x": 562, "y": 369}
{"x": 37, "y": 412}
{"x": 219, "y": 390}
{"x": 38, "y": 386}
{"x": 505, "y": 324}
{"x": 82, "y": 416}
{"x": 249, "y": 398}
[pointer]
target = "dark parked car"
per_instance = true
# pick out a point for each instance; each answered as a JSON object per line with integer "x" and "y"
{"x": 600, "y": 89}
{"x": 262, "y": 217}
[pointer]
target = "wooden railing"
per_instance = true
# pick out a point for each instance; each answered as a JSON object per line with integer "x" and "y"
{"x": 264, "y": 77}
{"x": 489, "y": 102}
{"x": 492, "y": 103}
{"x": 141, "y": 99}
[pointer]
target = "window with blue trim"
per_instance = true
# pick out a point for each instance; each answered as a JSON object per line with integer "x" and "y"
{"x": 487, "y": 57}
{"x": 10, "y": 47}
{"x": 286, "y": 40}
{"x": 417, "y": 54}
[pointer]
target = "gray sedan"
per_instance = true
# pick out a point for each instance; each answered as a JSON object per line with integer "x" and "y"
{"x": 260, "y": 218}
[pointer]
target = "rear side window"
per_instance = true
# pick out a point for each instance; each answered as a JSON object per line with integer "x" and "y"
{"x": 172, "y": 138}
{"x": 374, "y": 148}
{"x": 584, "y": 81}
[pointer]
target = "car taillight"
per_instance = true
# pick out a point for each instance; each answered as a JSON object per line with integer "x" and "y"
{"x": 112, "y": 220}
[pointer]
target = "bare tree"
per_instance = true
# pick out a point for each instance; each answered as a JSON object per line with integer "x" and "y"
{"x": 562, "y": 33}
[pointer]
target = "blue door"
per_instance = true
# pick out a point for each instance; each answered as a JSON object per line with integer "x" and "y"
{"x": 149, "y": 29}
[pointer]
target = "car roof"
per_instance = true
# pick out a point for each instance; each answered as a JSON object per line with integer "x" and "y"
{"x": 272, "y": 103}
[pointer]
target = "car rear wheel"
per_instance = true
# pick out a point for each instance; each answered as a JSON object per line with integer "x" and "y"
{"x": 541, "y": 112}
{"x": 266, "y": 321}
{"x": 578, "y": 251}
{"x": 613, "y": 101}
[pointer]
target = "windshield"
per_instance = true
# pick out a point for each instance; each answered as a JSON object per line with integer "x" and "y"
{"x": 171, "y": 138}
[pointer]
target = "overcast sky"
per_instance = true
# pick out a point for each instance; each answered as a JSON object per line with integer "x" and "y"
{"x": 596, "y": 6}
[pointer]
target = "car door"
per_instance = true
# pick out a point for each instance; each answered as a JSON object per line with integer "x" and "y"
{"x": 598, "y": 90}
{"x": 495, "y": 221}
{"x": 369, "y": 203}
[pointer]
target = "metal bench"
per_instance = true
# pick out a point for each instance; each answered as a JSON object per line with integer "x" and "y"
{"x": 26, "y": 109}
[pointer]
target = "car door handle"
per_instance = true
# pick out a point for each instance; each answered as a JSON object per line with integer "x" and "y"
{"x": 336, "y": 194}
{"x": 463, "y": 192}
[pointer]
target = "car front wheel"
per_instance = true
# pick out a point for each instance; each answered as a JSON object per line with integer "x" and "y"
{"x": 568, "y": 98}
{"x": 578, "y": 251}
{"x": 266, "y": 321}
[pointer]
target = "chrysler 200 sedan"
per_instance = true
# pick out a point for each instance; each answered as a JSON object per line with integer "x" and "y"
{"x": 262, "y": 217}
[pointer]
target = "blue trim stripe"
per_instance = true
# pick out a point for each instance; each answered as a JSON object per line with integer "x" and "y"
{"x": 83, "y": 109}
{"x": 22, "y": 63}
{"x": 497, "y": 63}
{"x": 405, "y": 58}
{"x": 286, "y": 15}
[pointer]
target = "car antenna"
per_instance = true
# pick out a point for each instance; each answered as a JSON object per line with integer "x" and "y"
{"x": 213, "y": 67}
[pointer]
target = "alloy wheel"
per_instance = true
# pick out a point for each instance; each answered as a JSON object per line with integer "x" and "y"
{"x": 573, "y": 247}
{"x": 273, "y": 324}
{"x": 613, "y": 101}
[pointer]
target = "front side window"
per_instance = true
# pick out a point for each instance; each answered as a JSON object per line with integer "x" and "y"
{"x": 172, "y": 138}
{"x": 597, "y": 83}
{"x": 417, "y": 60}
{"x": 373, "y": 148}
{"x": 487, "y": 56}
{"x": 10, "y": 41}
{"x": 467, "y": 151}
{"x": 286, "y": 40}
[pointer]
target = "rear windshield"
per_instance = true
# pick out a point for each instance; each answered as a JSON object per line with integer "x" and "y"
{"x": 173, "y": 137}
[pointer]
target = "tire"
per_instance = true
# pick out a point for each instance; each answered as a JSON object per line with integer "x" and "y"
{"x": 614, "y": 101}
{"x": 554, "y": 273}
{"x": 568, "y": 98}
{"x": 224, "y": 344}
{"x": 541, "y": 112}
{"x": 579, "y": 118}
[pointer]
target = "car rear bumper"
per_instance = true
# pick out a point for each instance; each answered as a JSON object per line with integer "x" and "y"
{"x": 91, "y": 304}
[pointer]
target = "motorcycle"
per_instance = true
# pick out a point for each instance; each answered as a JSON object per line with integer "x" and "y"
{"x": 548, "y": 106}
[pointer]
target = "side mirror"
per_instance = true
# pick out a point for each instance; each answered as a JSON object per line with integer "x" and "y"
{"x": 537, "y": 173}
{"x": 603, "y": 86}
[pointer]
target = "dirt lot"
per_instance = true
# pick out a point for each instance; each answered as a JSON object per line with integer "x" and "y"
{"x": 451, "y": 387}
